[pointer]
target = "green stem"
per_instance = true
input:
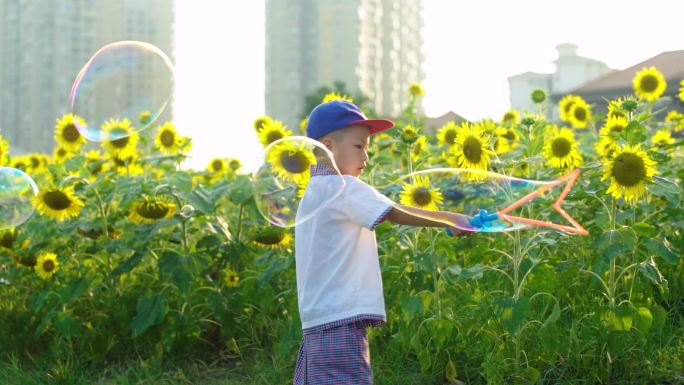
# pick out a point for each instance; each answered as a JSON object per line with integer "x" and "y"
{"x": 239, "y": 225}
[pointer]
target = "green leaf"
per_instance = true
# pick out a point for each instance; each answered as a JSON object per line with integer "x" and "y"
{"x": 619, "y": 318}
{"x": 649, "y": 269}
{"x": 411, "y": 304}
{"x": 644, "y": 320}
{"x": 645, "y": 229}
{"x": 171, "y": 263}
{"x": 66, "y": 326}
{"x": 450, "y": 372}
{"x": 181, "y": 180}
{"x": 665, "y": 188}
{"x": 75, "y": 288}
{"x": 662, "y": 249}
{"x": 512, "y": 312}
{"x": 128, "y": 264}
{"x": 554, "y": 316}
{"x": 473, "y": 272}
{"x": 634, "y": 133}
{"x": 149, "y": 312}
{"x": 201, "y": 200}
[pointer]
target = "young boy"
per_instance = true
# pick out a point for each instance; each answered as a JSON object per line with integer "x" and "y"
{"x": 339, "y": 285}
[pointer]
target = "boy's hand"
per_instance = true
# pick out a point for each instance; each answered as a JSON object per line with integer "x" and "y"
{"x": 460, "y": 220}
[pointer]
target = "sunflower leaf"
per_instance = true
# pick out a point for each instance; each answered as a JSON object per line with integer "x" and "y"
{"x": 150, "y": 311}
{"x": 634, "y": 133}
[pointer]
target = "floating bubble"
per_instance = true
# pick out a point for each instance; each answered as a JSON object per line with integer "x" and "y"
{"x": 122, "y": 89}
{"x": 285, "y": 171}
{"x": 17, "y": 190}
{"x": 483, "y": 201}
{"x": 187, "y": 211}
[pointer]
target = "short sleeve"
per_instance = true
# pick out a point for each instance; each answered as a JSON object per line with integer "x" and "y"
{"x": 364, "y": 205}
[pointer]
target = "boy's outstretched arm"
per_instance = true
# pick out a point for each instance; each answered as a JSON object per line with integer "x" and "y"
{"x": 412, "y": 216}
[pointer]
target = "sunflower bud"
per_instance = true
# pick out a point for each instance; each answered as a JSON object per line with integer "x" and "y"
{"x": 409, "y": 134}
{"x": 630, "y": 105}
{"x": 538, "y": 96}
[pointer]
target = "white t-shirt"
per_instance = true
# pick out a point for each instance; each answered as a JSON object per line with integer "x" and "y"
{"x": 338, "y": 270}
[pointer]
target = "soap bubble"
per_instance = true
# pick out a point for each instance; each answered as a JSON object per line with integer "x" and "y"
{"x": 17, "y": 190}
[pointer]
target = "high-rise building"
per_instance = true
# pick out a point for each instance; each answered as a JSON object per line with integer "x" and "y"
{"x": 43, "y": 45}
{"x": 373, "y": 46}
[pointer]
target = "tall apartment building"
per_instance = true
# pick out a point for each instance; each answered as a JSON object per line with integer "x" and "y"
{"x": 43, "y": 45}
{"x": 373, "y": 46}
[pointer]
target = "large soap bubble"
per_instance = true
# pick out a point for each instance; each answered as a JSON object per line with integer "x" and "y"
{"x": 17, "y": 191}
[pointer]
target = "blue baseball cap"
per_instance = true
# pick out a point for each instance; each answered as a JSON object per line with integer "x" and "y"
{"x": 335, "y": 114}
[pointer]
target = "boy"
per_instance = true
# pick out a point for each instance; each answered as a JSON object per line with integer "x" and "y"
{"x": 339, "y": 285}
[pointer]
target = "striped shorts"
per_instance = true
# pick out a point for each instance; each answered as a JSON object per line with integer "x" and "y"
{"x": 336, "y": 353}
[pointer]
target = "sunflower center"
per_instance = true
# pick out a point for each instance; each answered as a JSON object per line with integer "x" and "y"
{"x": 508, "y": 116}
{"x": 649, "y": 83}
{"x": 617, "y": 128}
{"x": 472, "y": 150}
{"x": 48, "y": 266}
{"x": 233, "y": 278}
{"x": 580, "y": 113}
{"x": 70, "y": 133}
{"x": 120, "y": 143}
{"x": 61, "y": 152}
{"x": 270, "y": 238}
{"x": 450, "y": 137}
{"x": 560, "y": 147}
{"x": 568, "y": 107}
{"x": 168, "y": 139}
{"x": 510, "y": 135}
{"x": 294, "y": 162}
{"x": 273, "y": 136}
{"x": 628, "y": 169}
{"x": 35, "y": 162}
{"x": 57, "y": 200}
{"x": 217, "y": 165}
{"x": 153, "y": 210}
{"x": 234, "y": 165}
{"x": 421, "y": 196}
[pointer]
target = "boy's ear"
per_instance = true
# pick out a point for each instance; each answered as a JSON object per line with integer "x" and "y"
{"x": 327, "y": 142}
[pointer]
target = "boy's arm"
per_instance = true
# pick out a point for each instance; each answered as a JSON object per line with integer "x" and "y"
{"x": 412, "y": 216}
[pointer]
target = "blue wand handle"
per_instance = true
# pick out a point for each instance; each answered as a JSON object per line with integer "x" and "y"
{"x": 481, "y": 220}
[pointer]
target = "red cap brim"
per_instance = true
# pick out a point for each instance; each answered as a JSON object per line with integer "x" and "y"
{"x": 376, "y": 125}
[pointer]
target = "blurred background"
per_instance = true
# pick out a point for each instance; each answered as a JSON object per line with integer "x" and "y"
{"x": 235, "y": 62}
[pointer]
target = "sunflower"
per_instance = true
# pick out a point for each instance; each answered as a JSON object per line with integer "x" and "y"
{"x": 121, "y": 138}
{"x": 409, "y": 134}
{"x": 606, "y": 147}
{"x": 676, "y": 120}
{"x": 681, "y": 90}
{"x": 538, "y": 96}
{"x": 472, "y": 150}
{"x": 446, "y": 135}
{"x": 420, "y": 195}
{"x": 662, "y": 138}
{"x": 615, "y": 109}
{"x": 272, "y": 237}
{"x": 565, "y": 105}
{"x": 649, "y": 84}
{"x": 273, "y": 131}
{"x": 234, "y": 165}
{"x": 217, "y": 166}
{"x": 488, "y": 125}
{"x": 167, "y": 140}
{"x": 58, "y": 203}
{"x": 37, "y": 163}
{"x": 21, "y": 162}
{"x": 67, "y": 134}
{"x": 628, "y": 170}
{"x": 613, "y": 126}
{"x": 95, "y": 164}
{"x": 291, "y": 162}
{"x": 416, "y": 90}
{"x": 511, "y": 117}
{"x": 418, "y": 147}
{"x": 510, "y": 134}
{"x": 261, "y": 121}
{"x": 46, "y": 265}
{"x": 151, "y": 210}
{"x": 4, "y": 151}
{"x": 7, "y": 238}
{"x": 560, "y": 149}
{"x": 125, "y": 165}
{"x": 335, "y": 96}
{"x": 60, "y": 154}
{"x": 501, "y": 145}
{"x": 580, "y": 113}
{"x": 232, "y": 279}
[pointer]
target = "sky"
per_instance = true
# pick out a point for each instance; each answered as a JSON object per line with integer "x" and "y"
{"x": 470, "y": 50}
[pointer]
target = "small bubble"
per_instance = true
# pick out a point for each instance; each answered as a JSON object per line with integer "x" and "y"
{"x": 187, "y": 211}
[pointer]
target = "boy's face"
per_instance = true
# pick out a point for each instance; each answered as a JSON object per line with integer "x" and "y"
{"x": 349, "y": 149}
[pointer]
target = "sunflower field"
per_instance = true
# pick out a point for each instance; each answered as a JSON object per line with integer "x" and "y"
{"x": 131, "y": 255}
